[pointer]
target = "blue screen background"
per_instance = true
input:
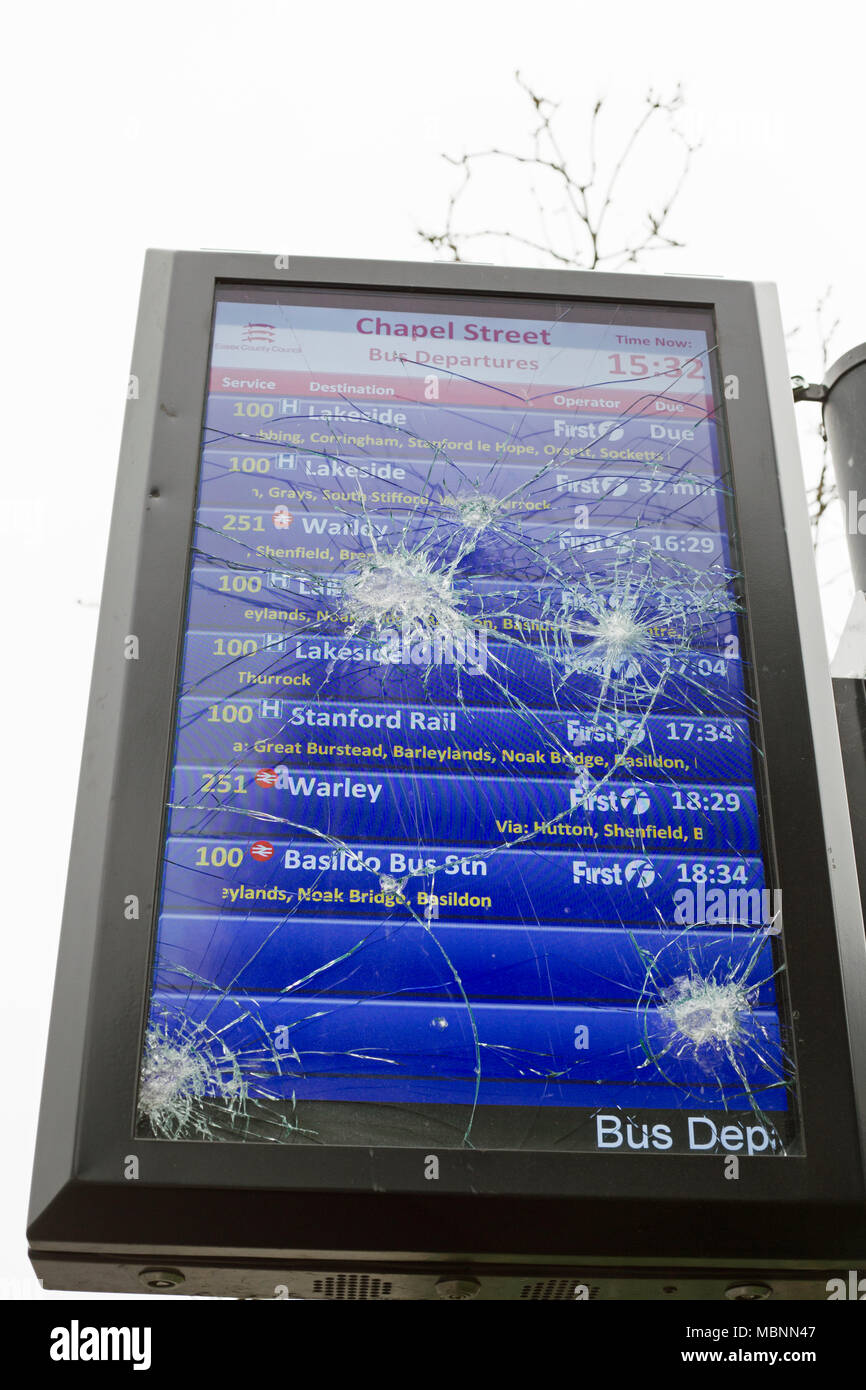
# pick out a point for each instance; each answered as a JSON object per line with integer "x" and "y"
{"x": 463, "y": 813}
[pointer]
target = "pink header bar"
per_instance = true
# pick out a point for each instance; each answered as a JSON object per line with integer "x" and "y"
{"x": 370, "y": 390}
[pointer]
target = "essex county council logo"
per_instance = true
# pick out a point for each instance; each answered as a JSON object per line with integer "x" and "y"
{"x": 258, "y": 333}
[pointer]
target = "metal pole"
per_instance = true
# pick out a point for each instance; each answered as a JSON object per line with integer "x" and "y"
{"x": 844, "y": 404}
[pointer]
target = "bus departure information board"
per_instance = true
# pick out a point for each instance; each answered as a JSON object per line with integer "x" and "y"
{"x": 466, "y": 839}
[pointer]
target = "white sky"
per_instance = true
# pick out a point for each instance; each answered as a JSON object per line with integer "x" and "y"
{"x": 317, "y": 130}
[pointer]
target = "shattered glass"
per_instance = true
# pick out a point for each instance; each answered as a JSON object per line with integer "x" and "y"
{"x": 466, "y": 842}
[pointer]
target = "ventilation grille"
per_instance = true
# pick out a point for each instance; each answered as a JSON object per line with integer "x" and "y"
{"x": 352, "y": 1286}
{"x": 555, "y": 1288}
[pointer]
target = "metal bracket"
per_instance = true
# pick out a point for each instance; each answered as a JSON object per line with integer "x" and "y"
{"x": 808, "y": 390}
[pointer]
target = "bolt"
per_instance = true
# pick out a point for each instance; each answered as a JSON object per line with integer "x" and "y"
{"x": 161, "y": 1278}
{"x": 748, "y": 1291}
{"x": 457, "y": 1288}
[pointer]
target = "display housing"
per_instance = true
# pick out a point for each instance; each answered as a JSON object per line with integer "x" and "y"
{"x": 462, "y": 828}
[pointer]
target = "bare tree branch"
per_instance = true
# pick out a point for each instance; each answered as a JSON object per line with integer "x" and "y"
{"x": 586, "y": 203}
{"x": 824, "y": 493}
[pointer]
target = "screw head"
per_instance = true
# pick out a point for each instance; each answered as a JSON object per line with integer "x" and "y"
{"x": 457, "y": 1288}
{"x": 742, "y": 1292}
{"x": 161, "y": 1278}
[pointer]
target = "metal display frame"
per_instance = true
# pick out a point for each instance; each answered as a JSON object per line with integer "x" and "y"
{"x": 244, "y": 1219}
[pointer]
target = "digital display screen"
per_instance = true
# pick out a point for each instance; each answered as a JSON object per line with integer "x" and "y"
{"x": 466, "y": 839}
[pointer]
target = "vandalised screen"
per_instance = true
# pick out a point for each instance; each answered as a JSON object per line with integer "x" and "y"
{"x": 465, "y": 840}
